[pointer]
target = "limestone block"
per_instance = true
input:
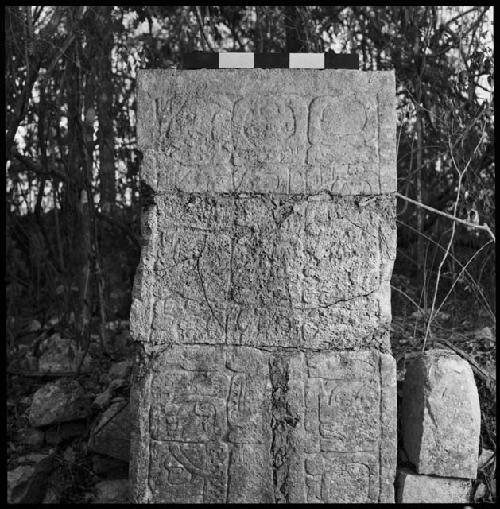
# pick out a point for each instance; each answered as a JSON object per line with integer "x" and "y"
{"x": 275, "y": 131}
{"x": 259, "y": 271}
{"x": 420, "y": 489}
{"x": 440, "y": 415}
{"x": 238, "y": 424}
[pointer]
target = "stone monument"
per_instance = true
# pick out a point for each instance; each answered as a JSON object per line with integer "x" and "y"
{"x": 262, "y": 299}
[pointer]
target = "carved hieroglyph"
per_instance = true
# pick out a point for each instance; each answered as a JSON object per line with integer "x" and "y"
{"x": 262, "y": 300}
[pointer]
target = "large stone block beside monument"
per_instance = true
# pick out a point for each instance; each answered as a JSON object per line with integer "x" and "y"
{"x": 412, "y": 488}
{"x": 440, "y": 415}
{"x": 262, "y": 299}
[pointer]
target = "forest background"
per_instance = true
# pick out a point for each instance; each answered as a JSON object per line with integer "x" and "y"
{"x": 73, "y": 194}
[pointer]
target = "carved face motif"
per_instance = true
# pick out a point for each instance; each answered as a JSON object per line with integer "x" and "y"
{"x": 268, "y": 121}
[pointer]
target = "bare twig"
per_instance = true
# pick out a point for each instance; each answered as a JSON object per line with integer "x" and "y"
{"x": 441, "y": 263}
{"x": 204, "y": 39}
{"x": 475, "y": 366}
{"x": 473, "y": 282}
{"x": 483, "y": 226}
{"x": 36, "y": 167}
{"x": 460, "y": 274}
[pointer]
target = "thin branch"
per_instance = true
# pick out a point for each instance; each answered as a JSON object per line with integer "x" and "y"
{"x": 448, "y": 23}
{"x": 473, "y": 282}
{"x": 60, "y": 53}
{"x": 35, "y": 167}
{"x": 204, "y": 37}
{"x": 460, "y": 274}
{"x": 475, "y": 366}
{"x": 445, "y": 257}
{"x": 483, "y": 227}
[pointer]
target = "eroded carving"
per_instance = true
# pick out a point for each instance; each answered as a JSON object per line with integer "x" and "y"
{"x": 200, "y": 131}
{"x": 189, "y": 472}
{"x": 269, "y": 129}
{"x": 342, "y": 131}
{"x": 340, "y": 479}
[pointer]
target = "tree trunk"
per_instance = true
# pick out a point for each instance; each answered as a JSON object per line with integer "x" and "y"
{"x": 293, "y": 43}
{"x": 104, "y": 108}
{"x": 77, "y": 202}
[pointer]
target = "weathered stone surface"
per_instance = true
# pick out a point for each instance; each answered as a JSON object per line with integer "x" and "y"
{"x": 27, "y": 482}
{"x": 271, "y": 131}
{"x": 120, "y": 369}
{"x": 261, "y": 271}
{"x": 222, "y": 422}
{"x": 113, "y": 491}
{"x": 262, "y": 299}
{"x": 412, "y": 488}
{"x": 62, "y": 355}
{"x": 17, "y": 480}
{"x": 440, "y": 415}
{"x": 31, "y": 436}
{"x": 60, "y": 401}
{"x": 111, "y": 434}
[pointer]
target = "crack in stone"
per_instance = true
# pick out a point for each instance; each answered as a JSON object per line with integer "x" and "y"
{"x": 203, "y": 284}
{"x": 282, "y": 423}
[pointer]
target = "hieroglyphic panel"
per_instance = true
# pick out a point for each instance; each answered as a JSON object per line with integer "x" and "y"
{"x": 208, "y": 404}
{"x": 201, "y": 132}
{"x": 342, "y": 436}
{"x": 330, "y": 395}
{"x": 240, "y": 283}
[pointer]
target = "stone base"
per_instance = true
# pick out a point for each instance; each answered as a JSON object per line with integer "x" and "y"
{"x": 421, "y": 489}
{"x": 237, "y": 424}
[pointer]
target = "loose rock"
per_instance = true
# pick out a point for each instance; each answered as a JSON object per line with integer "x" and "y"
{"x": 419, "y": 489}
{"x": 111, "y": 434}
{"x": 60, "y": 401}
{"x": 27, "y": 483}
{"x": 111, "y": 492}
{"x": 62, "y": 355}
{"x": 31, "y": 436}
{"x": 120, "y": 369}
{"x": 440, "y": 415}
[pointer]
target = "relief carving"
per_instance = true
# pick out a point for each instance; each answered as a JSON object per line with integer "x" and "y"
{"x": 200, "y": 131}
{"x": 269, "y": 129}
{"x": 190, "y": 473}
{"x": 340, "y": 478}
{"x": 356, "y": 401}
{"x": 341, "y": 131}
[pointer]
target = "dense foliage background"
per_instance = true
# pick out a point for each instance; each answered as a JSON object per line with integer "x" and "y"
{"x": 72, "y": 186}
